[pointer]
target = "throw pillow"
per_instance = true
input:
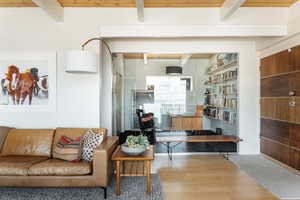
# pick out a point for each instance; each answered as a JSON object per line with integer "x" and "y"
{"x": 90, "y": 141}
{"x": 68, "y": 149}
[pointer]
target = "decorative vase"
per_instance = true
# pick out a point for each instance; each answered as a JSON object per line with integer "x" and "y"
{"x": 133, "y": 151}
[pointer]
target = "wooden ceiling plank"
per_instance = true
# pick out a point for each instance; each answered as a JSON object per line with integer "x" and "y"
{"x": 149, "y": 3}
{"x": 268, "y": 3}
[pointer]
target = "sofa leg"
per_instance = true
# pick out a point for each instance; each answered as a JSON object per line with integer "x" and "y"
{"x": 105, "y": 192}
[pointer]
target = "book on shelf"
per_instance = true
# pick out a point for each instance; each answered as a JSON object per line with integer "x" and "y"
{"x": 218, "y": 114}
{"x": 230, "y": 75}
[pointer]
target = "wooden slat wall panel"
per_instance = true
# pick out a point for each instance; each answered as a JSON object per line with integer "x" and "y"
{"x": 295, "y": 111}
{"x": 275, "y": 150}
{"x": 295, "y": 135}
{"x": 267, "y": 65}
{"x": 280, "y": 86}
{"x": 276, "y": 64}
{"x": 276, "y": 130}
{"x": 277, "y": 108}
{"x": 277, "y": 86}
{"x": 295, "y": 57}
{"x": 294, "y": 159}
{"x": 280, "y": 75}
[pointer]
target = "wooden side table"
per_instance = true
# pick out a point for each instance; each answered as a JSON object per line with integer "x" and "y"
{"x": 133, "y": 166}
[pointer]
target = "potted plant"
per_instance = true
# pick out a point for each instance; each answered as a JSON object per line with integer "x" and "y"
{"x": 135, "y": 145}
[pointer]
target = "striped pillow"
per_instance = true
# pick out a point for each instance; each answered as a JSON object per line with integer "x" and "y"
{"x": 68, "y": 149}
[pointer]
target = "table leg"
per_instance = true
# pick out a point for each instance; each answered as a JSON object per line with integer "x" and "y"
{"x": 148, "y": 163}
{"x": 118, "y": 189}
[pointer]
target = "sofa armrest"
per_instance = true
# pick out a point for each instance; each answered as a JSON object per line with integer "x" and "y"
{"x": 3, "y": 133}
{"x": 102, "y": 164}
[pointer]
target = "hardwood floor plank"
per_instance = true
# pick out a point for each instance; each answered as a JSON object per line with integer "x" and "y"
{"x": 208, "y": 177}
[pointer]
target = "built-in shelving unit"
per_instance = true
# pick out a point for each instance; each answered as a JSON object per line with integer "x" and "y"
{"x": 220, "y": 68}
{"x": 221, "y": 96}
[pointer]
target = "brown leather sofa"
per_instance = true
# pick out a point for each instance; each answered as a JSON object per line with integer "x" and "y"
{"x": 26, "y": 160}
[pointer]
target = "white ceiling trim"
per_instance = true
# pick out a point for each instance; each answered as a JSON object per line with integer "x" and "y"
{"x": 52, "y": 8}
{"x": 186, "y": 31}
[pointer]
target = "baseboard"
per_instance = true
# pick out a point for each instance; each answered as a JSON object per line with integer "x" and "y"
{"x": 282, "y": 164}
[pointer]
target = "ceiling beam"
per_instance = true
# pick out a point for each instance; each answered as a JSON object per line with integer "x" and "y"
{"x": 52, "y": 8}
{"x": 185, "y": 58}
{"x": 229, "y": 7}
{"x": 145, "y": 59}
{"x": 140, "y": 10}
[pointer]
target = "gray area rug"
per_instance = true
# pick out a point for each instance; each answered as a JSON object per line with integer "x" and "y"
{"x": 278, "y": 180}
{"x": 132, "y": 188}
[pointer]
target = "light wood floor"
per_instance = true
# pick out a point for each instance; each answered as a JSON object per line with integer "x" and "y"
{"x": 207, "y": 177}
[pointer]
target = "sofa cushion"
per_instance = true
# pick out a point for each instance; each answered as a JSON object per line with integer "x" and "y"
{"x": 90, "y": 141}
{"x": 67, "y": 149}
{"x": 75, "y": 133}
{"x": 18, "y": 165}
{"x": 28, "y": 142}
{"x": 3, "y": 133}
{"x": 56, "y": 167}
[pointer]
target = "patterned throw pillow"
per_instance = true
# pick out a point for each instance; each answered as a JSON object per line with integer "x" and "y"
{"x": 67, "y": 149}
{"x": 90, "y": 141}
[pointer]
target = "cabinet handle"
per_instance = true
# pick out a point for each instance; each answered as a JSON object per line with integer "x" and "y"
{"x": 292, "y": 93}
{"x": 292, "y": 104}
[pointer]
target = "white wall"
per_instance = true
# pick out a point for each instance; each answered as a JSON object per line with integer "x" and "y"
{"x": 29, "y": 29}
{"x": 271, "y": 46}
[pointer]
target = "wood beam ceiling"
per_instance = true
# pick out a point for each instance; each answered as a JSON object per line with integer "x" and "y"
{"x": 149, "y": 3}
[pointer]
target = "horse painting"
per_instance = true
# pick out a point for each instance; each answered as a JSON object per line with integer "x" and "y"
{"x": 35, "y": 73}
{"x": 43, "y": 84}
{"x": 20, "y": 85}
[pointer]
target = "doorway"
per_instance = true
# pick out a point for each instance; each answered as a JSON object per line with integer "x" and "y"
{"x": 188, "y": 94}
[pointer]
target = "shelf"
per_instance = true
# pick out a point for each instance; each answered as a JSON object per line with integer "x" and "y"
{"x": 144, "y": 91}
{"x": 223, "y": 108}
{"x": 233, "y": 96}
{"x": 223, "y": 67}
{"x": 212, "y": 118}
{"x": 221, "y": 82}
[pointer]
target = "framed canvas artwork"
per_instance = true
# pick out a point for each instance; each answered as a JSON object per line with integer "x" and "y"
{"x": 27, "y": 81}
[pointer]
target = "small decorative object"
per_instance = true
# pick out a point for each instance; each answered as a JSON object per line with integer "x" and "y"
{"x": 219, "y": 131}
{"x": 150, "y": 87}
{"x": 135, "y": 145}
